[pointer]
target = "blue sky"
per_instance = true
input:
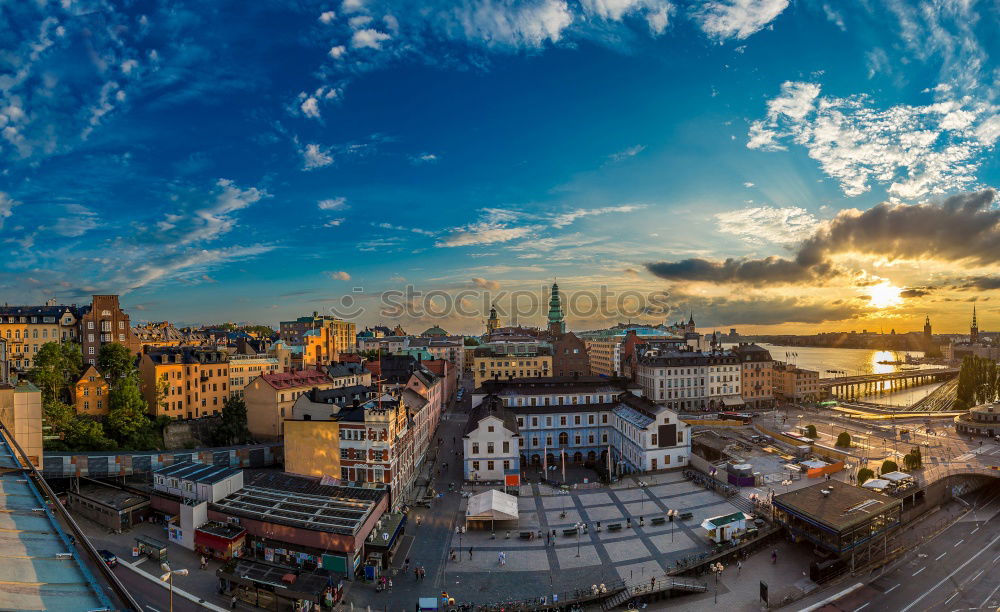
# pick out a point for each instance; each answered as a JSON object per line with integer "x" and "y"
{"x": 255, "y": 161}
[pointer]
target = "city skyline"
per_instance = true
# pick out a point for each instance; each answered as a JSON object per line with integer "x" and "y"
{"x": 710, "y": 153}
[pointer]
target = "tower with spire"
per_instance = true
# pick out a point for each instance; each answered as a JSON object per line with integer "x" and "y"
{"x": 493, "y": 323}
{"x": 927, "y": 328}
{"x": 556, "y": 323}
{"x": 974, "y": 329}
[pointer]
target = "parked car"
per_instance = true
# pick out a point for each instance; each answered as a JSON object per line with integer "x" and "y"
{"x": 110, "y": 559}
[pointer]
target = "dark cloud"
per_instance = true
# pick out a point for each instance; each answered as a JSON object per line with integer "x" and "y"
{"x": 964, "y": 229}
{"x": 756, "y": 310}
{"x": 982, "y": 283}
{"x": 915, "y": 292}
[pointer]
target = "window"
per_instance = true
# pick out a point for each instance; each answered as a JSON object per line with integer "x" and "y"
{"x": 489, "y": 428}
{"x": 506, "y": 446}
{"x": 562, "y": 419}
{"x": 475, "y": 448}
{"x": 576, "y": 420}
{"x": 489, "y": 465}
{"x": 506, "y": 465}
{"x": 475, "y": 465}
{"x": 489, "y": 448}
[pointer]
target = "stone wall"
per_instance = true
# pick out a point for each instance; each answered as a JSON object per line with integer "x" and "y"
{"x": 194, "y": 433}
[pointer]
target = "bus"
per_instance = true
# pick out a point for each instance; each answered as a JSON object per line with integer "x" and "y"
{"x": 742, "y": 417}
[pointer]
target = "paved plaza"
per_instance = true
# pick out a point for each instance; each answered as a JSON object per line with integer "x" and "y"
{"x": 632, "y": 553}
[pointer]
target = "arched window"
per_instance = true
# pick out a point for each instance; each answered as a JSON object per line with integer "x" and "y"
{"x": 563, "y": 438}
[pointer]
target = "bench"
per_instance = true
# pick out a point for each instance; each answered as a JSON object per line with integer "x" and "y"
{"x": 615, "y": 527}
{"x": 526, "y": 535}
{"x": 659, "y": 520}
{"x": 570, "y": 531}
{"x": 686, "y": 515}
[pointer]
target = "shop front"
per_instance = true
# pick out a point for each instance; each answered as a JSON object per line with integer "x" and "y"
{"x": 221, "y": 541}
{"x": 269, "y": 587}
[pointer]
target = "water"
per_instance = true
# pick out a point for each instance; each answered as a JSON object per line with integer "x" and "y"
{"x": 855, "y": 362}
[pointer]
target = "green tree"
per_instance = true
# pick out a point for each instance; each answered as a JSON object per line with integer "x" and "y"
{"x": 117, "y": 364}
{"x": 162, "y": 392}
{"x": 233, "y": 429}
{"x": 978, "y": 382}
{"x": 67, "y": 431}
{"x": 127, "y": 421}
{"x": 889, "y": 466}
{"x": 865, "y": 474}
{"x": 470, "y": 341}
{"x": 57, "y": 365}
{"x": 811, "y": 432}
{"x": 844, "y": 439}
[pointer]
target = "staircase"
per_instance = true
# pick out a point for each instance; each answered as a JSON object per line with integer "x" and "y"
{"x": 643, "y": 589}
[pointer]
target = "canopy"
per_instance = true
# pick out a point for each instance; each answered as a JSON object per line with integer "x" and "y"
{"x": 732, "y": 401}
{"x": 897, "y": 476}
{"x": 492, "y": 505}
{"x": 876, "y": 483}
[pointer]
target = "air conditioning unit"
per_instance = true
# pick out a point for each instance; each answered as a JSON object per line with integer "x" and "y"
{"x": 234, "y": 520}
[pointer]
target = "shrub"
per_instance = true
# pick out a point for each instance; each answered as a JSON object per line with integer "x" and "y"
{"x": 889, "y": 466}
{"x": 864, "y": 474}
{"x": 844, "y": 439}
{"x": 811, "y": 431}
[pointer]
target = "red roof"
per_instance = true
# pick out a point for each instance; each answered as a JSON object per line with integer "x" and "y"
{"x": 350, "y": 358}
{"x": 375, "y": 367}
{"x": 438, "y": 366}
{"x": 298, "y": 378}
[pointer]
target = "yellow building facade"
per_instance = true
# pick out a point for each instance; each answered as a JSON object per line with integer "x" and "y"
{"x": 184, "y": 382}
{"x": 488, "y": 367}
{"x": 27, "y": 328}
{"x": 312, "y": 448}
{"x": 90, "y": 393}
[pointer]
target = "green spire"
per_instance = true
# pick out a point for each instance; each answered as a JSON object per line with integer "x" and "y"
{"x": 556, "y": 322}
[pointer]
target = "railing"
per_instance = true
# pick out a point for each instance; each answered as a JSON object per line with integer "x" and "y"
{"x": 82, "y": 542}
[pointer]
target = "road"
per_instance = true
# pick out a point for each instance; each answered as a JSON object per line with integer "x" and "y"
{"x": 959, "y": 569}
{"x": 152, "y": 597}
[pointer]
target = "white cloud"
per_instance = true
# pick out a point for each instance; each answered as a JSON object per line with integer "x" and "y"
{"x": 425, "y": 158}
{"x": 748, "y": 184}
{"x": 315, "y": 156}
{"x": 656, "y": 12}
{"x": 763, "y": 225}
{"x": 368, "y": 39}
{"x": 359, "y": 21}
{"x": 739, "y": 19}
{"x": 401, "y": 228}
{"x": 327, "y": 16}
{"x": 482, "y": 283}
{"x": 482, "y": 233}
{"x": 216, "y": 219}
{"x": 915, "y": 150}
{"x": 75, "y": 221}
{"x": 352, "y": 6}
{"x": 627, "y": 153}
{"x": 333, "y": 204}
{"x": 567, "y": 218}
{"x": 834, "y": 16}
{"x": 341, "y": 275}
{"x": 310, "y": 107}
{"x": 7, "y": 205}
{"x": 338, "y": 51}
{"x": 529, "y": 23}
{"x": 334, "y": 222}
{"x": 129, "y": 65}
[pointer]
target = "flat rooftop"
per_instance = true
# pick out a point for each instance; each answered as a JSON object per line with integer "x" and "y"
{"x": 32, "y": 576}
{"x": 112, "y": 497}
{"x": 198, "y": 472}
{"x": 846, "y": 505}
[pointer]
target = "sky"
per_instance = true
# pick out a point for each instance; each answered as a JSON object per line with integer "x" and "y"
{"x": 771, "y": 165}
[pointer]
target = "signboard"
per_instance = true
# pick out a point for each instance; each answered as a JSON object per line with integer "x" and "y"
{"x": 512, "y": 480}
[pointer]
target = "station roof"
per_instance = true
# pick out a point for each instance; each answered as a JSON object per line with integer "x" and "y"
{"x": 198, "y": 472}
{"x": 844, "y": 506}
{"x": 34, "y": 574}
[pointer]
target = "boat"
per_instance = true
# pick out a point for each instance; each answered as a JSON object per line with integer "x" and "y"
{"x": 895, "y": 363}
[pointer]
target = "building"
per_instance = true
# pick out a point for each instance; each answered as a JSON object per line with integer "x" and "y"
{"x": 27, "y": 328}
{"x": 21, "y": 414}
{"x": 244, "y": 368}
{"x": 348, "y": 374}
{"x": 342, "y": 334}
{"x": 492, "y": 323}
{"x": 757, "y": 375}
{"x": 197, "y": 481}
{"x": 591, "y": 420}
{"x": 837, "y": 517}
{"x": 982, "y": 420}
{"x": 104, "y": 322}
{"x": 491, "y": 445}
{"x": 159, "y": 334}
{"x": 269, "y": 399}
{"x": 974, "y": 328}
{"x": 90, "y": 393}
{"x": 794, "y": 384}
{"x": 519, "y": 357}
{"x": 556, "y": 322}
{"x": 112, "y": 507}
{"x": 608, "y": 348}
{"x": 691, "y": 380}
{"x": 367, "y": 443}
{"x": 184, "y": 382}
{"x": 569, "y": 356}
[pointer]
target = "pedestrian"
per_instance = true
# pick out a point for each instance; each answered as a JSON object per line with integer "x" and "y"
{"x": 204, "y": 562}
{"x": 739, "y": 566}
{"x": 470, "y": 552}
{"x": 416, "y": 574}
{"x": 232, "y": 603}
{"x": 652, "y": 582}
{"x": 774, "y": 557}
{"x": 390, "y": 585}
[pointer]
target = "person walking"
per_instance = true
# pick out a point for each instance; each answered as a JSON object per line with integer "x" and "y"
{"x": 390, "y": 585}
{"x": 774, "y": 557}
{"x": 232, "y": 603}
{"x": 416, "y": 574}
{"x": 739, "y": 566}
{"x": 470, "y": 552}
{"x": 203, "y": 562}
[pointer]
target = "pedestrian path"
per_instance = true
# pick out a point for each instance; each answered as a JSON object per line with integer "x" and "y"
{"x": 178, "y": 592}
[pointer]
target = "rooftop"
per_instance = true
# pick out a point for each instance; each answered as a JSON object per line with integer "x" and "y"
{"x": 197, "y": 472}
{"x": 113, "y": 497}
{"x": 843, "y": 507}
{"x": 298, "y": 378}
{"x": 222, "y": 530}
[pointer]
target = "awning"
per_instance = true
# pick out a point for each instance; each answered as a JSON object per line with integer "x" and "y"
{"x": 897, "y": 476}
{"x": 730, "y": 400}
{"x": 492, "y": 505}
{"x": 876, "y": 483}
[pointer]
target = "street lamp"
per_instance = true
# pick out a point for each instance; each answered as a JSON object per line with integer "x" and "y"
{"x": 671, "y": 515}
{"x": 169, "y": 577}
{"x": 579, "y": 527}
{"x": 716, "y": 569}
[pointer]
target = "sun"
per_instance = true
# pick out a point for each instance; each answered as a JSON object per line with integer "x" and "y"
{"x": 884, "y": 295}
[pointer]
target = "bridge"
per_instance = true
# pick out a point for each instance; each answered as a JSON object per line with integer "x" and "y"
{"x": 114, "y": 464}
{"x": 850, "y": 387}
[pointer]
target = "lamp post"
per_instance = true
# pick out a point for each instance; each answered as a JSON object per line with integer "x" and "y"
{"x": 169, "y": 578}
{"x": 578, "y": 526}
{"x": 671, "y": 515}
{"x": 716, "y": 569}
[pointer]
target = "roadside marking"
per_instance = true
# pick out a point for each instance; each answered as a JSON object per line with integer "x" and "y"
{"x": 959, "y": 542}
{"x": 975, "y": 530}
{"x": 953, "y": 595}
{"x": 983, "y": 605}
{"x": 891, "y": 589}
{"x": 152, "y": 608}
{"x": 938, "y": 558}
{"x": 952, "y": 574}
{"x": 919, "y": 570}
{"x": 862, "y": 607}
{"x": 977, "y": 575}
{"x": 995, "y": 558}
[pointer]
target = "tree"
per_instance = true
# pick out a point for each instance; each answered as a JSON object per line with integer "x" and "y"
{"x": 68, "y": 431}
{"x": 865, "y": 474}
{"x": 470, "y": 341}
{"x": 978, "y": 382}
{"x": 233, "y": 429}
{"x": 844, "y": 439}
{"x": 162, "y": 392}
{"x": 127, "y": 422}
{"x": 117, "y": 364}
{"x": 889, "y": 466}
{"x": 811, "y": 432}
{"x": 57, "y": 365}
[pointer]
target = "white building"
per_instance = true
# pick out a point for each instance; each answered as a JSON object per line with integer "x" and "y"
{"x": 491, "y": 444}
{"x": 691, "y": 380}
{"x": 198, "y": 481}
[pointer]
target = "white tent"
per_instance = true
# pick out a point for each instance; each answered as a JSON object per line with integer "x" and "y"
{"x": 876, "y": 483}
{"x": 491, "y": 506}
{"x": 897, "y": 476}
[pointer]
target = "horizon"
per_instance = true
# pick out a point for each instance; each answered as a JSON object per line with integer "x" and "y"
{"x": 656, "y": 157}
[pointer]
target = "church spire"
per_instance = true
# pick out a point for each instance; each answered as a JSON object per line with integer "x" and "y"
{"x": 556, "y": 323}
{"x": 974, "y": 330}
